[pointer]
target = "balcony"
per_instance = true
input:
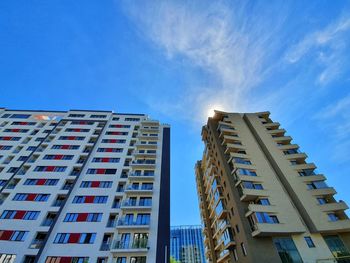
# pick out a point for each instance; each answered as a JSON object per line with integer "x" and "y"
{"x": 336, "y": 206}
{"x": 223, "y": 255}
{"x": 105, "y": 246}
{"x": 282, "y": 139}
{"x": 132, "y": 205}
{"x": 302, "y": 156}
{"x": 141, "y": 177}
{"x": 272, "y": 124}
{"x": 36, "y": 244}
{"x": 265, "y": 229}
{"x": 139, "y": 245}
{"x": 145, "y": 154}
{"x": 112, "y": 223}
{"x": 146, "y": 146}
{"x": 252, "y": 208}
{"x": 144, "y": 163}
{"x": 304, "y": 166}
{"x": 47, "y": 222}
{"x": 138, "y": 190}
{"x": 311, "y": 178}
{"x": 251, "y": 194}
{"x": 138, "y": 224}
{"x": 323, "y": 191}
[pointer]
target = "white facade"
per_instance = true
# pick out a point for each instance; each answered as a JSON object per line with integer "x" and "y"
{"x": 102, "y": 204}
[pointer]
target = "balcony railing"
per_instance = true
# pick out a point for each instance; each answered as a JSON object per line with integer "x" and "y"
{"x": 132, "y": 203}
{"x": 36, "y": 244}
{"x": 123, "y": 222}
{"x": 111, "y": 223}
{"x": 105, "y": 246}
{"x": 137, "y": 244}
{"x": 47, "y": 222}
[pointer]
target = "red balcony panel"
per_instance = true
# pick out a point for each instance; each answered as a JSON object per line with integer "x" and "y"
{"x": 41, "y": 182}
{"x": 58, "y": 157}
{"x": 65, "y": 260}
{"x": 95, "y": 184}
{"x": 74, "y": 238}
{"x": 109, "y": 150}
{"x": 101, "y": 171}
{"x": 82, "y": 217}
{"x": 20, "y": 214}
{"x": 30, "y": 197}
{"x": 105, "y": 160}
{"x": 6, "y": 235}
{"x": 71, "y": 138}
{"x": 50, "y": 168}
{"x": 65, "y": 147}
{"x": 89, "y": 199}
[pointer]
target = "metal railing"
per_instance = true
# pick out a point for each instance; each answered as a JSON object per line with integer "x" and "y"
{"x": 344, "y": 259}
{"x": 137, "y": 244}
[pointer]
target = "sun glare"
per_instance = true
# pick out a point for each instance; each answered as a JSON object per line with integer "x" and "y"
{"x": 211, "y": 112}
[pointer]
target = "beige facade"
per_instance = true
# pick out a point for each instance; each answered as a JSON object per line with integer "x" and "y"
{"x": 260, "y": 200}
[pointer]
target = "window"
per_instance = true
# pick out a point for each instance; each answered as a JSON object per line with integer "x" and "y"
{"x": 105, "y": 160}
{"x": 67, "y": 259}
{"x": 58, "y": 157}
{"x": 119, "y": 126}
{"x": 101, "y": 171}
{"x": 31, "y": 197}
{"x": 16, "y": 130}
{"x": 317, "y": 185}
{"x": 50, "y": 168}
{"x": 20, "y": 116}
{"x": 321, "y": 200}
{"x": 7, "y": 138}
{"x": 98, "y": 116}
{"x": 287, "y": 250}
{"x": 143, "y": 219}
{"x": 251, "y": 185}
{"x": 90, "y": 199}
{"x": 76, "y": 115}
{"x": 65, "y": 147}
{"x": 263, "y": 217}
{"x": 76, "y": 130}
{"x": 263, "y": 201}
{"x": 241, "y": 160}
{"x": 138, "y": 259}
{"x": 246, "y": 172}
{"x": 5, "y": 147}
{"x": 333, "y": 217}
{"x": 31, "y": 148}
{"x": 121, "y": 260}
{"x": 113, "y": 141}
{"x": 72, "y": 138}
{"x": 83, "y": 217}
{"x": 309, "y": 242}
{"x": 115, "y": 150}
{"x": 244, "y": 251}
{"x": 31, "y": 215}
{"x": 132, "y": 119}
{"x": 13, "y": 235}
{"x": 49, "y": 182}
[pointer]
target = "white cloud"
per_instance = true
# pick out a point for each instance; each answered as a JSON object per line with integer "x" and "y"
{"x": 216, "y": 37}
{"x": 328, "y": 46}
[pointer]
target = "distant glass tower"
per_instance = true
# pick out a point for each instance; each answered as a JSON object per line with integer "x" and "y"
{"x": 186, "y": 244}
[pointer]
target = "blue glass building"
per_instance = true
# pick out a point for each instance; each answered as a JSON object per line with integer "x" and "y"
{"x": 186, "y": 244}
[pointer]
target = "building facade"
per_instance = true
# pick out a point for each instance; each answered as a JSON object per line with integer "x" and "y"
{"x": 186, "y": 244}
{"x": 261, "y": 201}
{"x": 83, "y": 186}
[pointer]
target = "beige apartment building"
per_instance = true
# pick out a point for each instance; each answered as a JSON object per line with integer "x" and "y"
{"x": 261, "y": 201}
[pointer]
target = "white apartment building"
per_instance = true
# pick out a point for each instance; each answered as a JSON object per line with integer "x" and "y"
{"x": 83, "y": 186}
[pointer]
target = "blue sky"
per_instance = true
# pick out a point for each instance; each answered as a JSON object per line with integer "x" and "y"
{"x": 177, "y": 60}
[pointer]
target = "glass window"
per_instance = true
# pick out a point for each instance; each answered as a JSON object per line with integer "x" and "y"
{"x": 287, "y": 250}
{"x": 309, "y": 242}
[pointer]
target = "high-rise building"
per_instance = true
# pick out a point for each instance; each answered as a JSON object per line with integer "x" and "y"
{"x": 261, "y": 201}
{"x": 186, "y": 244}
{"x": 83, "y": 186}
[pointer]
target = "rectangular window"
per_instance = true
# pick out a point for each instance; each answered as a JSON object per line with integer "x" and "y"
{"x": 20, "y": 116}
{"x": 105, "y": 160}
{"x": 116, "y": 133}
{"x": 72, "y": 138}
{"x": 5, "y": 147}
{"x": 115, "y": 150}
{"x": 13, "y": 235}
{"x": 96, "y": 116}
{"x": 58, "y": 157}
{"x": 119, "y": 126}
{"x": 309, "y": 242}
{"x": 113, "y": 141}
{"x": 246, "y": 172}
{"x": 16, "y": 130}
{"x": 76, "y": 115}
{"x": 132, "y": 119}
{"x": 50, "y": 168}
{"x": 23, "y": 123}
{"x": 244, "y": 251}
{"x": 65, "y": 147}
{"x": 76, "y": 130}
{"x": 83, "y": 217}
{"x": 101, "y": 171}
{"x": 8, "y": 138}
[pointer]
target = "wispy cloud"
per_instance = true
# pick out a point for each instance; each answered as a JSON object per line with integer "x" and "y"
{"x": 328, "y": 46}
{"x": 230, "y": 47}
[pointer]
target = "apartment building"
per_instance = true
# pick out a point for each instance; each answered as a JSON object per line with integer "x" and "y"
{"x": 83, "y": 186}
{"x": 261, "y": 201}
{"x": 186, "y": 244}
